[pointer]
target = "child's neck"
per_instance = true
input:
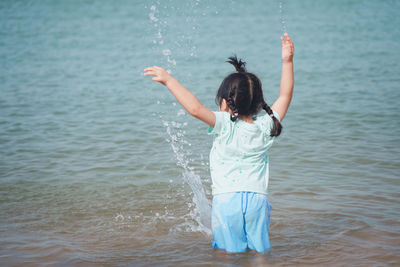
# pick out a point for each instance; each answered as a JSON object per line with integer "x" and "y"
{"x": 248, "y": 119}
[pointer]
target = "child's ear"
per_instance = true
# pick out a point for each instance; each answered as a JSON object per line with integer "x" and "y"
{"x": 224, "y": 106}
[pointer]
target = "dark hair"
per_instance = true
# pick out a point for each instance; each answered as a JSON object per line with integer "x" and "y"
{"x": 242, "y": 91}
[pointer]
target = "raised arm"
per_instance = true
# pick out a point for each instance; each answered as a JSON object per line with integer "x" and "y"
{"x": 281, "y": 105}
{"x": 188, "y": 100}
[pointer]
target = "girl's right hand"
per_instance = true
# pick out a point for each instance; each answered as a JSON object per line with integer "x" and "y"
{"x": 160, "y": 75}
{"x": 287, "y": 48}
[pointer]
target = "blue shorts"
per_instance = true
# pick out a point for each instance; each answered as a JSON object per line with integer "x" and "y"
{"x": 240, "y": 221}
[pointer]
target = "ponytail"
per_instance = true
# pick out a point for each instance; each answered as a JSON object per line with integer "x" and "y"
{"x": 239, "y": 65}
{"x": 231, "y": 104}
{"x": 277, "y": 128}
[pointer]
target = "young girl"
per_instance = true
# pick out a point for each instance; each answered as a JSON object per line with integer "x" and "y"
{"x": 239, "y": 163}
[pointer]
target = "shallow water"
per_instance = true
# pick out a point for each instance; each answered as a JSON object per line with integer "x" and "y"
{"x": 100, "y": 166}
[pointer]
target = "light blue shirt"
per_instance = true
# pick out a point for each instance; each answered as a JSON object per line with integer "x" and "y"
{"x": 239, "y": 155}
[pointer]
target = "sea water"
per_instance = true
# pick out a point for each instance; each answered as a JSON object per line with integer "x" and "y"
{"x": 101, "y": 166}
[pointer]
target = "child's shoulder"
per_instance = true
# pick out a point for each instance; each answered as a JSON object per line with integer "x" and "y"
{"x": 223, "y": 116}
{"x": 266, "y": 122}
{"x": 266, "y": 118}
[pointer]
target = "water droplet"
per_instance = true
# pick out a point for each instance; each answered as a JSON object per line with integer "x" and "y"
{"x": 166, "y": 52}
{"x": 181, "y": 112}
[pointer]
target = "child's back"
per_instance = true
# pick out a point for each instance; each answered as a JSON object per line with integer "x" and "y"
{"x": 239, "y": 155}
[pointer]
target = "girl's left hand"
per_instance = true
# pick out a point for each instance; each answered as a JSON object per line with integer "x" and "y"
{"x": 160, "y": 75}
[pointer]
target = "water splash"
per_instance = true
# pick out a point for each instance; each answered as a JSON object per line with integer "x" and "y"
{"x": 282, "y": 14}
{"x": 152, "y": 14}
{"x": 200, "y": 209}
{"x": 201, "y": 212}
{"x": 159, "y": 42}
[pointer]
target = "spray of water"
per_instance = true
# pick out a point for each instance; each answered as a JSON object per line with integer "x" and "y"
{"x": 200, "y": 211}
{"x": 159, "y": 25}
{"x": 283, "y": 21}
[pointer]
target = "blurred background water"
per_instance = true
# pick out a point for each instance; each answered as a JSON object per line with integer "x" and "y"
{"x": 101, "y": 166}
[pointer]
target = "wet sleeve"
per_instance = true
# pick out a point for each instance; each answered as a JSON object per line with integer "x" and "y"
{"x": 220, "y": 120}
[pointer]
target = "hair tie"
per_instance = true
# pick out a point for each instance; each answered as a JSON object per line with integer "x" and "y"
{"x": 235, "y": 114}
{"x": 271, "y": 115}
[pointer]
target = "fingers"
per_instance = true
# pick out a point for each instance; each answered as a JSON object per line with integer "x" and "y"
{"x": 290, "y": 42}
{"x": 286, "y": 38}
{"x": 150, "y": 73}
{"x": 152, "y": 68}
{"x": 155, "y": 70}
{"x": 287, "y": 41}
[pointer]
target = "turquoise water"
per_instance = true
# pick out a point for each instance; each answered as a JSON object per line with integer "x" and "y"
{"x": 101, "y": 166}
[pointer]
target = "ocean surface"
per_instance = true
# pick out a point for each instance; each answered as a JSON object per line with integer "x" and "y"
{"x": 100, "y": 166}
